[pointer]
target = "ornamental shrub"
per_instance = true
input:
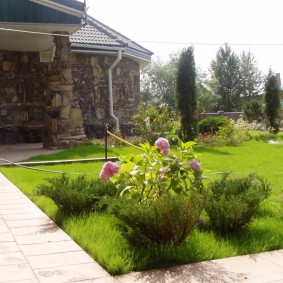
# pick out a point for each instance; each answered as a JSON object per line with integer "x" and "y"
{"x": 162, "y": 194}
{"x": 74, "y": 196}
{"x": 212, "y": 124}
{"x": 234, "y": 133}
{"x": 152, "y": 121}
{"x": 147, "y": 176}
{"x": 234, "y": 202}
{"x": 168, "y": 220}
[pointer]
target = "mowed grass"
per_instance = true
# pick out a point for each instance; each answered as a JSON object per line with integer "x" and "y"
{"x": 82, "y": 152}
{"x": 99, "y": 235}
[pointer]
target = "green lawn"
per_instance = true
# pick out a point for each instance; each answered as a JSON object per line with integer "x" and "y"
{"x": 83, "y": 152}
{"x": 98, "y": 234}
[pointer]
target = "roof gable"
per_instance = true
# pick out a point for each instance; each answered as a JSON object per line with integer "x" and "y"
{"x": 96, "y": 35}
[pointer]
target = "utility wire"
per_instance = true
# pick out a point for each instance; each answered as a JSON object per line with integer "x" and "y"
{"x": 42, "y": 170}
{"x": 151, "y": 41}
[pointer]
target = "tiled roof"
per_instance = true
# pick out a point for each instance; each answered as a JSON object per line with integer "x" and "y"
{"x": 90, "y": 35}
{"x": 97, "y": 34}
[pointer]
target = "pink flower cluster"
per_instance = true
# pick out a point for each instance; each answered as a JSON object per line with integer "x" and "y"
{"x": 163, "y": 145}
{"x": 108, "y": 170}
{"x": 194, "y": 165}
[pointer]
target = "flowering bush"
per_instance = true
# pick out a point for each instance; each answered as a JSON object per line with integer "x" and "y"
{"x": 163, "y": 146}
{"x": 147, "y": 176}
{"x": 162, "y": 193}
{"x": 109, "y": 169}
{"x": 233, "y": 133}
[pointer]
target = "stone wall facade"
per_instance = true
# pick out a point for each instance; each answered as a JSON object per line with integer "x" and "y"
{"x": 90, "y": 77}
{"x": 23, "y": 80}
{"x": 51, "y": 103}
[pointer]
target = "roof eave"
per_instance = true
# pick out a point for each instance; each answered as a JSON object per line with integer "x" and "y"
{"x": 142, "y": 58}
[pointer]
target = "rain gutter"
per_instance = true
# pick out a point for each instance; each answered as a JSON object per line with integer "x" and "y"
{"x": 111, "y": 89}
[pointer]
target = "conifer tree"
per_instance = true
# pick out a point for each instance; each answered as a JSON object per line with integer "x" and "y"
{"x": 272, "y": 101}
{"x": 186, "y": 94}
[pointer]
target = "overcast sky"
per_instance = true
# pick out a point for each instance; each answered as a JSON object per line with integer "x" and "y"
{"x": 165, "y": 27}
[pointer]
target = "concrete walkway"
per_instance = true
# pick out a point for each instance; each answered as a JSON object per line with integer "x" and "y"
{"x": 34, "y": 249}
{"x": 19, "y": 152}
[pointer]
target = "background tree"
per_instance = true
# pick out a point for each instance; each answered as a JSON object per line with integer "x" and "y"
{"x": 153, "y": 122}
{"x": 272, "y": 101}
{"x": 226, "y": 77}
{"x": 207, "y": 101}
{"x": 158, "y": 83}
{"x": 253, "y": 110}
{"x": 186, "y": 94}
{"x": 251, "y": 78}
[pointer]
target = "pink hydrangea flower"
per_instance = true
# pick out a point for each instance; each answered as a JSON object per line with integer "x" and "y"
{"x": 108, "y": 170}
{"x": 163, "y": 145}
{"x": 194, "y": 165}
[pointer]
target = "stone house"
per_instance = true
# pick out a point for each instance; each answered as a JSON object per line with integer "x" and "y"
{"x": 63, "y": 74}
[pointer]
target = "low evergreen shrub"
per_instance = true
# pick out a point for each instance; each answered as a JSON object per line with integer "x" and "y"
{"x": 74, "y": 196}
{"x": 168, "y": 220}
{"x": 233, "y": 202}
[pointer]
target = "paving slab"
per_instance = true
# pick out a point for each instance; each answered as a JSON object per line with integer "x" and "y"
{"x": 34, "y": 249}
{"x": 17, "y": 272}
{"x": 258, "y": 268}
{"x": 50, "y": 248}
{"x": 72, "y": 273}
{"x": 18, "y": 152}
{"x": 8, "y": 247}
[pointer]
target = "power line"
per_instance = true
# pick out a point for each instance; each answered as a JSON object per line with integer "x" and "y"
{"x": 208, "y": 43}
{"x": 41, "y": 170}
{"x": 152, "y": 41}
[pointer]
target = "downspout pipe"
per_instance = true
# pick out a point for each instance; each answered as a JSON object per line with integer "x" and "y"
{"x": 111, "y": 89}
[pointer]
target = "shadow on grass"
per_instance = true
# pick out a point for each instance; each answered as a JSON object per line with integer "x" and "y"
{"x": 257, "y": 237}
{"x": 77, "y": 152}
{"x": 209, "y": 271}
{"x": 212, "y": 150}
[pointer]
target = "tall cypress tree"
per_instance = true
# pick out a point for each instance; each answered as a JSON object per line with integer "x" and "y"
{"x": 186, "y": 94}
{"x": 272, "y": 101}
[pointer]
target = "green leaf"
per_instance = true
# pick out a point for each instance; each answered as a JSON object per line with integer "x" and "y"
{"x": 127, "y": 167}
{"x": 190, "y": 144}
